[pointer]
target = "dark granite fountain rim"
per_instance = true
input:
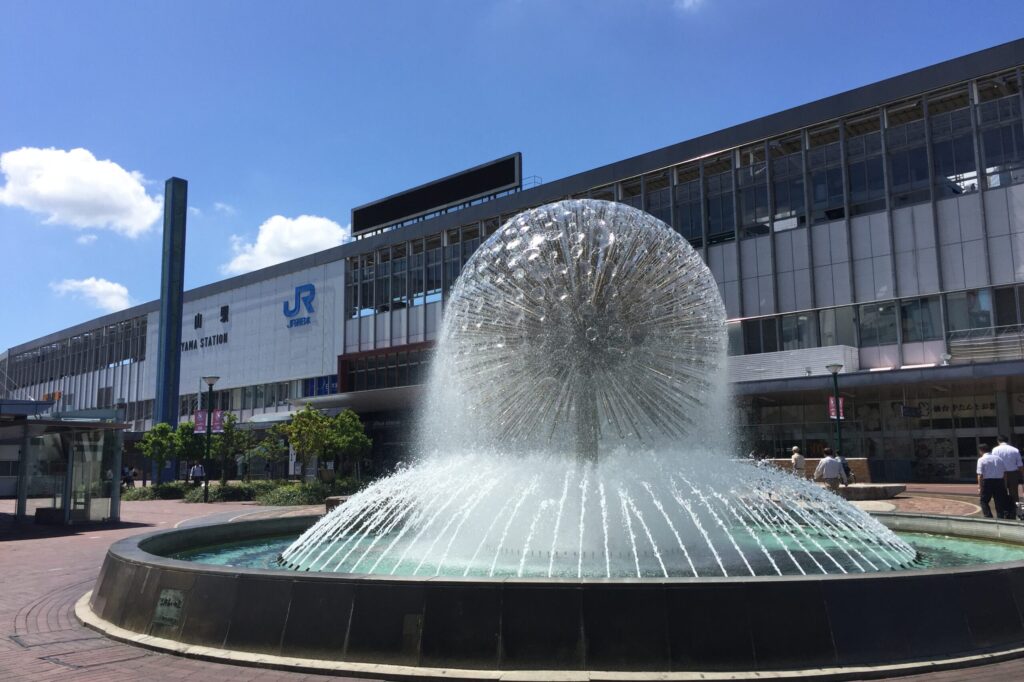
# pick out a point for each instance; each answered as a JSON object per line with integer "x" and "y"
{"x": 135, "y": 550}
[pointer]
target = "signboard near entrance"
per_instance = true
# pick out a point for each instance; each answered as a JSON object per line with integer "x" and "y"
{"x": 832, "y": 408}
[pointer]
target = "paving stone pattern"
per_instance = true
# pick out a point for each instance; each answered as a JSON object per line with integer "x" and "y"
{"x": 43, "y": 571}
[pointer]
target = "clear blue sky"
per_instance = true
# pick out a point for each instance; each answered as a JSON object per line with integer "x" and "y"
{"x": 295, "y": 109}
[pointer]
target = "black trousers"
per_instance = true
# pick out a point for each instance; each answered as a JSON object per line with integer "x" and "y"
{"x": 994, "y": 489}
{"x": 1013, "y": 497}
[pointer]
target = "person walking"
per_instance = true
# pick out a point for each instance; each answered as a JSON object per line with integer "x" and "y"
{"x": 197, "y": 473}
{"x": 830, "y": 470}
{"x": 991, "y": 483}
{"x": 1014, "y": 476}
{"x": 846, "y": 468}
{"x": 797, "y": 462}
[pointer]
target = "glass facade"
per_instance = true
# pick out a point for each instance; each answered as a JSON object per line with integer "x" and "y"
{"x": 923, "y": 432}
{"x": 410, "y": 273}
{"x": 115, "y": 345}
{"x": 402, "y": 366}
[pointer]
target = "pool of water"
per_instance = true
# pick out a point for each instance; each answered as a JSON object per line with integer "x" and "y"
{"x": 934, "y": 551}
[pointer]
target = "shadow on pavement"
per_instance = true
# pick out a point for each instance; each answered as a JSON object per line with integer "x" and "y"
{"x": 29, "y": 530}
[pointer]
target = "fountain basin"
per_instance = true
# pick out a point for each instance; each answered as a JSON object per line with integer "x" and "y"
{"x": 479, "y": 627}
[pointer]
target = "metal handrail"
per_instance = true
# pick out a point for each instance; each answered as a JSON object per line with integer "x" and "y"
{"x": 1005, "y": 342}
{"x": 985, "y": 332}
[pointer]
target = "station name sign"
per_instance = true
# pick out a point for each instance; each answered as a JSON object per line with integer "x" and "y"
{"x": 204, "y": 342}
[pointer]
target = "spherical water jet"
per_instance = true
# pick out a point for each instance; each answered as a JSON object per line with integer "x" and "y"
{"x": 577, "y": 406}
{"x": 578, "y": 325}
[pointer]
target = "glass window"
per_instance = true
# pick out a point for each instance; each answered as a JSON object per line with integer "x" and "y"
{"x": 721, "y": 216}
{"x": 799, "y": 331}
{"x": 452, "y": 259}
{"x": 416, "y": 292}
{"x": 382, "y": 296}
{"x": 1006, "y": 306}
{"x": 877, "y": 324}
{"x": 838, "y": 326}
{"x": 787, "y": 183}
{"x": 999, "y": 123}
{"x": 921, "y": 319}
{"x": 824, "y": 162}
{"x": 954, "y": 165}
{"x": 398, "y": 277}
{"x": 864, "y": 164}
{"x": 434, "y": 269}
{"x": 905, "y": 138}
{"x": 760, "y": 335}
{"x": 735, "y": 334}
{"x": 969, "y": 310}
{"x": 752, "y": 178}
{"x": 366, "y": 290}
{"x": 952, "y": 143}
{"x": 470, "y": 241}
{"x": 687, "y": 205}
{"x": 658, "y": 196}
{"x": 631, "y": 193}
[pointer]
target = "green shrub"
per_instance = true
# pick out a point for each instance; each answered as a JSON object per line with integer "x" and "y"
{"x": 274, "y": 493}
{"x": 262, "y": 487}
{"x": 243, "y": 492}
{"x": 175, "y": 490}
{"x": 294, "y": 494}
{"x": 137, "y": 494}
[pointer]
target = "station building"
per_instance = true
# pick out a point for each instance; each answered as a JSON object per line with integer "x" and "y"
{"x": 881, "y": 228}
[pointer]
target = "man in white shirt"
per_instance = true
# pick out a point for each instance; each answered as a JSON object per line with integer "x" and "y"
{"x": 991, "y": 482}
{"x": 798, "y": 462}
{"x": 830, "y": 470}
{"x": 1010, "y": 456}
{"x": 197, "y": 473}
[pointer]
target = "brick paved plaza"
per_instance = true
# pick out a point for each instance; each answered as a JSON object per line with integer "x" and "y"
{"x": 45, "y": 570}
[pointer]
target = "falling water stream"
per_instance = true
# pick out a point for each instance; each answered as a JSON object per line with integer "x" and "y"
{"x": 576, "y": 425}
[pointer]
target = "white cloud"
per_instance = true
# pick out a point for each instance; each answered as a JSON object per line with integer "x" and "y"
{"x": 86, "y": 239}
{"x": 221, "y": 207}
{"x": 687, "y": 5}
{"x": 282, "y": 239}
{"x": 192, "y": 210}
{"x": 103, "y": 294}
{"x": 77, "y": 189}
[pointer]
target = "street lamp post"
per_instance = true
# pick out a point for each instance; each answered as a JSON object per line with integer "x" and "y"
{"x": 210, "y": 381}
{"x": 834, "y": 370}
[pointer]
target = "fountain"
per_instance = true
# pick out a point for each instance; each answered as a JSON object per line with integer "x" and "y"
{"x": 576, "y": 426}
{"x": 576, "y": 506}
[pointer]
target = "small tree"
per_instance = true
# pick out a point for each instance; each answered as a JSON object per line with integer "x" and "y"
{"x": 311, "y": 433}
{"x": 272, "y": 449}
{"x": 160, "y": 444}
{"x": 350, "y": 439}
{"x": 233, "y": 441}
{"x": 192, "y": 445}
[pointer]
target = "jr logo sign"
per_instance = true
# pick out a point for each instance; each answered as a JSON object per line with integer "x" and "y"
{"x": 304, "y": 295}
